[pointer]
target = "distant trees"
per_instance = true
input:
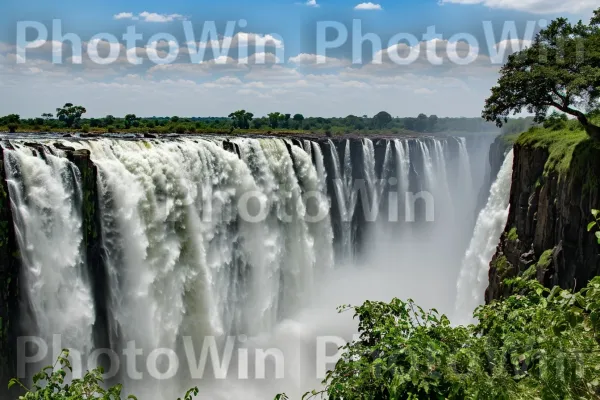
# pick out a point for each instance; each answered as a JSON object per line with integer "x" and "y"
{"x": 70, "y": 114}
{"x": 109, "y": 120}
{"x": 382, "y": 119}
{"x": 299, "y": 118}
{"x": 433, "y": 120}
{"x": 241, "y": 119}
{"x": 422, "y": 123}
{"x": 130, "y": 120}
{"x": 274, "y": 119}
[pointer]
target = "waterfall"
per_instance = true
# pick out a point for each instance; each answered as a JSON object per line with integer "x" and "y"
{"x": 228, "y": 236}
{"x": 45, "y": 193}
{"x": 403, "y": 173}
{"x": 345, "y": 197}
{"x": 368, "y": 152}
{"x": 473, "y": 277}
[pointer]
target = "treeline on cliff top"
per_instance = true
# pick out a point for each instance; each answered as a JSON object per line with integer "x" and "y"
{"x": 70, "y": 118}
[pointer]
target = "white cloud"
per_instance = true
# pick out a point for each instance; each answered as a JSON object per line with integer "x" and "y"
{"x": 424, "y": 91}
{"x": 368, "y": 6}
{"x": 154, "y": 17}
{"x": 242, "y": 40}
{"x": 314, "y": 60}
{"x": 260, "y": 58}
{"x": 533, "y": 6}
{"x": 5, "y": 47}
{"x": 124, "y": 15}
{"x": 163, "y": 44}
{"x": 312, "y": 3}
{"x": 150, "y": 17}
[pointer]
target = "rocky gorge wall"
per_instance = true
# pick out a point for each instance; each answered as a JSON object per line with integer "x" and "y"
{"x": 554, "y": 188}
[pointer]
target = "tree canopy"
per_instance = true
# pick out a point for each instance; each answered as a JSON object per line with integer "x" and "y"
{"x": 560, "y": 70}
{"x": 70, "y": 114}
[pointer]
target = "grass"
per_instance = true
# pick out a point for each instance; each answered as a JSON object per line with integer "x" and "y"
{"x": 560, "y": 143}
{"x": 509, "y": 140}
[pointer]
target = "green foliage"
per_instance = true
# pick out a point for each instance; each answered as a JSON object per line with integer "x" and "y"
{"x": 382, "y": 119}
{"x": 595, "y": 224}
{"x": 130, "y": 120}
{"x": 556, "y": 121}
{"x": 545, "y": 259}
{"x": 241, "y": 119}
{"x": 560, "y": 70}
{"x": 502, "y": 265}
{"x": 70, "y": 114}
{"x": 12, "y": 127}
{"x": 559, "y": 143}
{"x": 50, "y": 384}
{"x": 512, "y": 235}
{"x": 276, "y": 122}
{"x": 536, "y": 344}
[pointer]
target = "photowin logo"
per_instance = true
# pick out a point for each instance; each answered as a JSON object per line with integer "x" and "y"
{"x": 206, "y": 44}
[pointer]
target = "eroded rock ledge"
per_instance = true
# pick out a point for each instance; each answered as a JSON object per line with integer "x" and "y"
{"x": 555, "y": 185}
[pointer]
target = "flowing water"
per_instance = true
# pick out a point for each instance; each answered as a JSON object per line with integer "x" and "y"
{"x": 473, "y": 278}
{"x": 258, "y": 240}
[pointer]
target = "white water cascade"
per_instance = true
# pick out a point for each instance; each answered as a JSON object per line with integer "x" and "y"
{"x": 45, "y": 193}
{"x": 209, "y": 236}
{"x": 473, "y": 277}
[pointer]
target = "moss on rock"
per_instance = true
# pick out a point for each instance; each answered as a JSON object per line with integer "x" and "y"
{"x": 512, "y": 235}
{"x": 545, "y": 259}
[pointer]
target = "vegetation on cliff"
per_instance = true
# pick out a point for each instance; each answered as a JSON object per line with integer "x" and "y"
{"x": 69, "y": 119}
{"x": 560, "y": 70}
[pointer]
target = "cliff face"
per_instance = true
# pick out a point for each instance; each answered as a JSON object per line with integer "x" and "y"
{"x": 554, "y": 188}
{"x": 9, "y": 280}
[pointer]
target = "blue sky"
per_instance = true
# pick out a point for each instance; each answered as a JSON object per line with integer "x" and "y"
{"x": 293, "y": 79}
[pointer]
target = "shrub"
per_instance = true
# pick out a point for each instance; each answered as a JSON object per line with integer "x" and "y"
{"x": 85, "y": 128}
{"x": 536, "y": 344}
{"x": 111, "y": 129}
{"x": 12, "y": 128}
{"x": 180, "y": 129}
{"x": 49, "y": 384}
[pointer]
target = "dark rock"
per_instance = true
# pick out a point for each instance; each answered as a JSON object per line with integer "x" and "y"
{"x": 61, "y": 146}
{"x": 550, "y": 212}
{"x": 150, "y": 136}
{"x": 9, "y": 288}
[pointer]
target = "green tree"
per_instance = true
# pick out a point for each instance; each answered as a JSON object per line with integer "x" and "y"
{"x": 70, "y": 114}
{"x": 560, "y": 70}
{"x": 299, "y": 118}
{"x": 422, "y": 123}
{"x": 535, "y": 344}
{"x": 47, "y": 116}
{"x": 49, "y": 384}
{"x": 382, "y": 119}
{"x": 109, "y": 120}
{"x": 432, "y": 123}
{"x": 241, "y": 119}
{"x": 130, "y": 119}
{"x": 274, "y": 119}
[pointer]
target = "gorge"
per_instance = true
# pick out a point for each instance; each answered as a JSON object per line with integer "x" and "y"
{"x": 108, "y": 241}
